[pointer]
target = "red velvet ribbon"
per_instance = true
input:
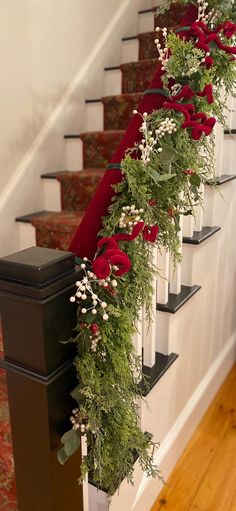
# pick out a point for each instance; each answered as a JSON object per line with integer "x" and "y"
{"x": 85, "y": 239}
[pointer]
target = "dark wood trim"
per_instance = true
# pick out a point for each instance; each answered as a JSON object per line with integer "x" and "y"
{"x": 175, "y": 302}
{"x": 201, "y": 236}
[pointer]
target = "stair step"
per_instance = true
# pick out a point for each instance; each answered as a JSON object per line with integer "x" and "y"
{"x": 27, "y": 219}
{"x": 78, "y": 188}
{"x": 221, "y": 180}
{"x": 172, "y": 17}
{"x": 147, "y": 47}
{"x": 230, "y": 132}
{"x": 55, "y": 229}
{"x": 155, "y": 373}
{"x": 201, "y": 236}
{"x": 99, "y": 147}
{"x": 175, "y": 302}
{"x": 136, "y": 76}
{"x": 118, "y": 110}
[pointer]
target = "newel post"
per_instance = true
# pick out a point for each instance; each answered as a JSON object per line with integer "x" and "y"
{"x": 35, "y": 286}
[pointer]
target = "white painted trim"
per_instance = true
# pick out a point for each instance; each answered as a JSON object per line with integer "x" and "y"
{"x": 201, "y": 399}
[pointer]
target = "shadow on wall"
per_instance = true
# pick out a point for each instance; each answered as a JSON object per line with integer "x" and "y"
{"x": 29, "y": 129}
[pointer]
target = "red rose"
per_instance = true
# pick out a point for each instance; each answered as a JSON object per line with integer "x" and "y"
{"x": 229, "y": 29}
{"x": 101, "y": 268}
{"x": 150, "y": 233}
{"x": 106, "y": 243}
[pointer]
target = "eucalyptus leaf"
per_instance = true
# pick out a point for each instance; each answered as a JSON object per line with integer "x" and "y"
{"x": 195, "y": 180}
{"x": 71, "y": 442}
{"x": 62, "y": 456}
{"x": 77, "y": 395}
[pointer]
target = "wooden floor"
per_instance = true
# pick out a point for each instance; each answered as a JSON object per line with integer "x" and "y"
{"x": 205, "y": 477}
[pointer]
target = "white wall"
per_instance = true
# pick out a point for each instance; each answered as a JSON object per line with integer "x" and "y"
{"x": 43, "y": 44}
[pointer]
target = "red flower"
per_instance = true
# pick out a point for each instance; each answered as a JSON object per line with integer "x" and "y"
{"x": 106, "y": 243}
{"x": 120, "y": 259}
{"x": 229, "y": 29}
{"x": 150, "y": 233}
{"x": 129, "y": 237}
{"x": 101, "y": 268}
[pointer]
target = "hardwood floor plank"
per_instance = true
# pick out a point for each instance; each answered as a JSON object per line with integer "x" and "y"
{"x": 190, "y": 473}
{"x": 217, "y": 491}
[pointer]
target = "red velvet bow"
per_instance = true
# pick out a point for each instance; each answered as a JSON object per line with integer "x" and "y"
{"x": 185, "y": 109}
{"x": 199, "y": 128}
{"x": 106, "y": 243}
{"x": 150, "y": 233}
{"x": 207, "y": 91}
{"x": 101, "y": 267}
{"x": 120, "y": 259}
{"x": 122, "y": 236}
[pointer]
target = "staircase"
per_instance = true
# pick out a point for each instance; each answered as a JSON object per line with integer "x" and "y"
{"x": 190, "y": 348}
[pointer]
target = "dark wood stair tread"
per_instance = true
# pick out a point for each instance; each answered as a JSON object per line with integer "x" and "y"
{"x": 200, "y": 236}
{"x": 155, "y": 373}
{"x": 175, "y": 302}
{"x": 220, "y": 180}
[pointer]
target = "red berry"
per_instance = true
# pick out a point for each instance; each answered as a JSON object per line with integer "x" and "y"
{"x": 170, "y": 212}
{"x": 94, "y": 328}
{"x": 152, "y": 202}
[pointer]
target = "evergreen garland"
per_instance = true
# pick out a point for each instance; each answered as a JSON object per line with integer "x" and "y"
{"x": 161, "y": 179}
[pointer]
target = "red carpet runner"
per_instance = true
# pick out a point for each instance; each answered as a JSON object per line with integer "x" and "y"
{"x": 7, "y": 482}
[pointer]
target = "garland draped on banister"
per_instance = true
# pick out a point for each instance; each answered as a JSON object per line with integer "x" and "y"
{"x": 153, "y": 178}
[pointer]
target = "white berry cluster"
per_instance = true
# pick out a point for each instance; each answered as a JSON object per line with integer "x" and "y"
{"x": 85, "y": 293}
{"x": 130, "y": 217}
{"x": 168, "y": 126}
{"x": 78, "y": 423}
{"x": 175, "y": 89}
{"x": 94, "y": 341}
{"x": 202, "y": 7}
{"x": 163, "y": 52}
{"x": 148, "y": 142}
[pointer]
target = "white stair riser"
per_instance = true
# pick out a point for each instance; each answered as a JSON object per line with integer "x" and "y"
{"x": 129, "y": 51}
{"x": 228, "y": 151}
{"x": 74, "y": 154}
{"x": 94, "y": 117}
{"x": 52, "y": 194}
{"x": 146, "y": 22}
{"x": 27, "y": 235}
{"x": 112, "y": 82}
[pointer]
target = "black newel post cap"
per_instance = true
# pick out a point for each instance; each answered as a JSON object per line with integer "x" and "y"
{"x": 36, "y": 312}
{"x": 36, "y": 266}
